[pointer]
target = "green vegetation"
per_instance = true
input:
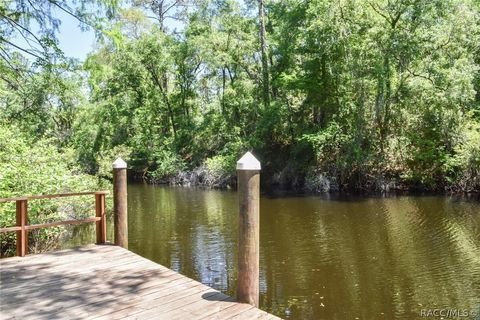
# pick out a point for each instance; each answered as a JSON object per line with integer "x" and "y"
{"x": 353, "y": 94}
{"x": 29, "y": 166}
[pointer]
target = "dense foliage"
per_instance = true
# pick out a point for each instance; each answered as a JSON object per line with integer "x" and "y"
{"x": 350, "y": 94}
{"x": 29, "y": 167}
{"x": 360, "y": 95}
{"x": 40, "y": 91}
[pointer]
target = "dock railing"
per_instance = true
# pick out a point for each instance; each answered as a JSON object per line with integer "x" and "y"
{"x": 22, "y": 227}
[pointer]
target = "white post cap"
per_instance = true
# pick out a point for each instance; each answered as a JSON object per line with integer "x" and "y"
{"x": 248, "y": 162}
{"x": 119, "y": 164}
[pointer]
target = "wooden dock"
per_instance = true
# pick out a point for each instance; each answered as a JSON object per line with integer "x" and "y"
{"x": 108, "y": 282}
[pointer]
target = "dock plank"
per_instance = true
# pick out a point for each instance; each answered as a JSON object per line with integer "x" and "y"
{"x": 108, "y": 282}
{"x": 227, "y": 313}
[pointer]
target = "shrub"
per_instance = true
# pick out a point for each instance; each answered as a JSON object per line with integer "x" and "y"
{"x": 106, "y": 158}
{"x": 167, "y": 163}
{"x": 37, "y": 167}
{"x": 466, "y": 160}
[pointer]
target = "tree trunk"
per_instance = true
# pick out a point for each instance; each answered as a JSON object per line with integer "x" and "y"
{"x": 263, "y": 49}
{"x": 165, "y": 100}
{"x": 224, "y": 75}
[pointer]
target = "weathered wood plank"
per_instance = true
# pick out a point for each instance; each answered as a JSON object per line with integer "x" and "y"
{"x": 252, "y": 314}
{"x": 83, "y": 297}
{"x": 209, "y": 306}
{"x": 107, "y": 303}
{"x": 90, "y": 249}
{"x": 94, "y": 286}
{"x": 61, "y": 223}
{"x": 80, "y": 261}
{"x": 172, "y": 302}
{"x": 126, "y": 305}
{"x": 51, "y": 196}
{"x": 227, "y": 313}
{"x": 108, "y": 282}
{"x": 150, "y": 301}
{"x": 37, "y": 272}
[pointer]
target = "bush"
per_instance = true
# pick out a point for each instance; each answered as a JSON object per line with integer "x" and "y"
{"x": 466, "y": 161}
{"x": 221, "y": 165}
{"x": 107, "y": 157}
{"x": 167, "y": 163}
{"x": 37, "y": 167}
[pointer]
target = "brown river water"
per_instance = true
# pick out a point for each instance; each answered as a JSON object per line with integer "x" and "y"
{"x": 322, "y": 257}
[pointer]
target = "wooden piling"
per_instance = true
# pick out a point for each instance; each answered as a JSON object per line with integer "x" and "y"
{"x": 248, "y": 175}
{"x": 120, "y": 218}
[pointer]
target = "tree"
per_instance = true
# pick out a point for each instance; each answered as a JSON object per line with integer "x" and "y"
{"x": 17, "y": 18}
{"x": 41, "y": 88}
{"x": 161, "y": 10}
{"x": 357, "y": 92}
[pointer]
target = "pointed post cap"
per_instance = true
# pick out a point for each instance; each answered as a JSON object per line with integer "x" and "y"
{"x": 248, "y": 162}
{"x": 119, "y": 164}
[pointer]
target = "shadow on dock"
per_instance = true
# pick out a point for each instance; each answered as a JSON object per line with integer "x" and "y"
{"x": 108, "y": 282}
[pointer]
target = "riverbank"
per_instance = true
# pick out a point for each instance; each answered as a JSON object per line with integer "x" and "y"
{"x": 290, "y": 180}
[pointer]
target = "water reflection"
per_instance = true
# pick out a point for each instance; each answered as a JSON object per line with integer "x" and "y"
{"x": 321, "y": 258}
{"x": 190, "y": 232}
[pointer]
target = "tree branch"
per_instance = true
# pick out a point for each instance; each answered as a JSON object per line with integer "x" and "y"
{"x": 13, "y": 22}
{"x": 424, "y": 77}
{"x": 21, "y": 49}
{"x": 378, "y": 12}
{"x": 170, "y": 7}
{"x": 71, "y": 14}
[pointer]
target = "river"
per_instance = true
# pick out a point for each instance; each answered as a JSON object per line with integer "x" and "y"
{"x": 322, "y": 257}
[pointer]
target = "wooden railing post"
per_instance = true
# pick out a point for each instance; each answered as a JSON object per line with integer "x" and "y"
{"x": 101, "y": 226}
{"x": 22, "y": 234}
{"x": 248, "y": 175}
{"x": 120, "y": 218}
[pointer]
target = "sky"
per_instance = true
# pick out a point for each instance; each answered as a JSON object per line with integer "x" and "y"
{"x": 74, "y": 42}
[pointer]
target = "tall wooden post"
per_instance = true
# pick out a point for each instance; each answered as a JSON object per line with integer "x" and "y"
{"x": 22, "y": 234}
{"x": 248, "y": 175}
{"x": 120, "y": 218}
